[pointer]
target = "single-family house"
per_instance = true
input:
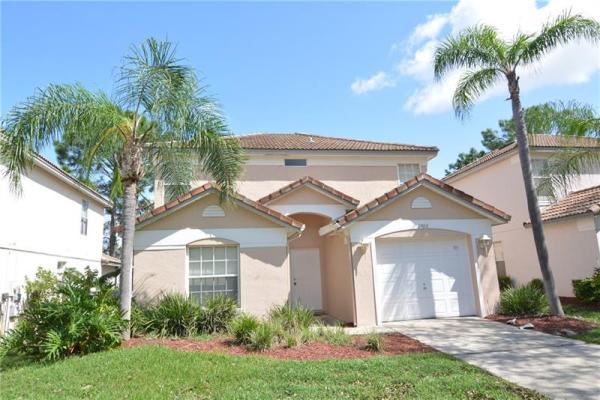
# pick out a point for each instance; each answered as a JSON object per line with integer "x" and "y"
{"x": 54, "y": 223}
{"x": 569, "y": 212}
{"x": 351, "y": 228}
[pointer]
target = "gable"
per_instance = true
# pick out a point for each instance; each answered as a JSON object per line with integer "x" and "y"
{"x": 304, "y": 195}
{"x": 407, "y": 207}
{"x": 201, "y": 214}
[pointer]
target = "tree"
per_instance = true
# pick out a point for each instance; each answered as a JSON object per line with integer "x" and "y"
{"x": 488, "y": 59}
{"x": 159, "y": 117}
{"x": 104, "y": 177}
{"x": 464, "y": 159}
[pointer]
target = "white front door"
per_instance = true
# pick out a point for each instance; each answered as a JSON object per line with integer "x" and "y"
{"x": 423, "y": 278}
{"x": 306, "y": 277}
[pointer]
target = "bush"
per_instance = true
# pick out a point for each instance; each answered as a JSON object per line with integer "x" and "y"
{"x": 242, "y": 327}
{"x": 292, "y": 318}
{"x": 217, "y": 314}
{"x": 537, "y": 284}
{"x": 333, "y": 335}
{"x": 72, "y": 313}
{"x": 263, "y": 337}
{"x": 588, "y": 289}
{"x": 173, "y": 315}
{"x": 140, "y": 322}
{"x": 524, "y": 300}
{"x": 374, "y": 342}
{"x": 505, "y": 282}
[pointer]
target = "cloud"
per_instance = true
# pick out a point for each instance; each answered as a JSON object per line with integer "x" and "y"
{"x": 376, "y": 82}
{"x": 572, "y": 64}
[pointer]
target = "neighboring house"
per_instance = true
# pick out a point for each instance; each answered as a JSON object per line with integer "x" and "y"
{"x": 56, "y": 222}
{"x": 354, "y": 229}
{"x": 571, "y": 229}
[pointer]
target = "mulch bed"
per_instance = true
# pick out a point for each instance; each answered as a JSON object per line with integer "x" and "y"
{"x": 393, "y": 344}
{"x": 549, "y": 324}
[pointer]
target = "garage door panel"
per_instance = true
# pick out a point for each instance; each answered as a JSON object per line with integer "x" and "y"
{"x": 422, "y": 279}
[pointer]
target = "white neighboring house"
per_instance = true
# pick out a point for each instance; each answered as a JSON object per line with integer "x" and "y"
{"x": 56, "y": 222}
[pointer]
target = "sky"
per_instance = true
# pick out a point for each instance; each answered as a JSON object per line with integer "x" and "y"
{"x": 347, "y": 69}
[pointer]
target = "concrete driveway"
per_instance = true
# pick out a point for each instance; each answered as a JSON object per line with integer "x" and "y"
{"x": 558, "y": 367}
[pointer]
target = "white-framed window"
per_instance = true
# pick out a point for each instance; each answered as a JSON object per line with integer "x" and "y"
{"x": 539, "y": 172}
{"x": 408, "y": 171}
{"x": 212, "y": 271}
{"x": 83, "y": 228}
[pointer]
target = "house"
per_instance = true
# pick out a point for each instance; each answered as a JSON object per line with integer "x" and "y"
{"x": 56, "y": 222}
{"x": 354, "y": 229}
{"x": 570, "y": 225}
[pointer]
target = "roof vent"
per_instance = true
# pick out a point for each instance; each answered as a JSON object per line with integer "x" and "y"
{"x": 311, "y": 140}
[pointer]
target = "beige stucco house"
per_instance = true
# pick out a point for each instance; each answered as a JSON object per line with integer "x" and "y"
{"x": 570, "y": 223}
{"x": 354, "y": 229}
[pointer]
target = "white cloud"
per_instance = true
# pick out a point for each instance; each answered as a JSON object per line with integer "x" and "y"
{"x": 376, "y": 82}
{"x": 575, "y": 63}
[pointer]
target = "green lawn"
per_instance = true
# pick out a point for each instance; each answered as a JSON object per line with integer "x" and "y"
{"x": 589, "y": 313}
{"x": 161, "y": 373}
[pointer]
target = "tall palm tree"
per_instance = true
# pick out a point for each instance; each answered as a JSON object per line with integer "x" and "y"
{"x": 489, "y": 59}
{"x": 158, "y": 116}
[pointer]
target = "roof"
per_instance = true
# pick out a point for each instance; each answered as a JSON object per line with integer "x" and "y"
{"x": 303, "y": 141}
{"x": 586, "y": 201}
{"x": 206, "y": 189}
{"x": 51, "y": 168}
{"x": 537, "y": 141}
{"x": 419, "y": 180}
{"x": 312, "y": 182}
{"x": 109, "y": 260}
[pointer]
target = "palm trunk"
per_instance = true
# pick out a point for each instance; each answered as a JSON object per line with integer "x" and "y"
{"x": 532, "y": 201}
{"x": 129, "y": 206}
{"x": 112, "y": 236}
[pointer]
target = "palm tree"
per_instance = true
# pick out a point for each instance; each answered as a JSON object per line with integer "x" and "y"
{"x": 490, "y": 59}
{"x": 159, "y": 116}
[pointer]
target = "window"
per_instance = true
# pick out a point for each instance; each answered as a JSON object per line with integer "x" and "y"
{"x": 500, "y": 263}
{"x": 408, "y": 171}
{"x": 84, "y": 217}
{"x": 541, "y": 181}
{"x": 213, "y": 271}
{"x": 295, "y": 162}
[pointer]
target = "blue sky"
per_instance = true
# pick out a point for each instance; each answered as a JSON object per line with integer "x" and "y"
{"x": 284, "y": 67}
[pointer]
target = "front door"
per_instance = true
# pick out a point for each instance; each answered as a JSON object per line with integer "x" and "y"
{"x": 306, "y": 278}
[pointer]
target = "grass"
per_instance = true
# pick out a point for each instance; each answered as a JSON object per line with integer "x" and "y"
{"x": 155, "y": 372}
{"x": 589, "y": 313}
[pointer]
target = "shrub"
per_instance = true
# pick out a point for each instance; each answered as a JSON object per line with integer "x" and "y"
{"x": 333, "y": 335}
{"x": 173, "y": 315}
{"x": 505, "y": 282}
{"x": 72, "y": 313}
{"x": 242, "y": 327}
{"x": 524, "y": 300}
{"x": 537, "y": 284}
{"x": 217, "y": 314}
{"x": 140, "y": 322}
{"x": 374, "y": 342}
{"x": 292, "y": 318}
{"x": 291, "y": 341}
{"x": 588, "y": 289}
{"x": 263, "y": 337}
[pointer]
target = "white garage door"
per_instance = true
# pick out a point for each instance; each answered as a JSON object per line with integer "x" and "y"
{"x": 422, "y": 278}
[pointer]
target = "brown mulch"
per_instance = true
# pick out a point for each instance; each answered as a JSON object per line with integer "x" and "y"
{"x": 549, "y": 323}
{"x": 393, "y": 344}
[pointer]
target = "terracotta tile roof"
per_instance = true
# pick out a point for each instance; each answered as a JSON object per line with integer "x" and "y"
{"x": 209, "y": 187}
{"x": 535, "y": 141}
{"x": 309, "y": 181}
{"x": 576, "y": 203}
{"x": 303, "y": 141}
{"x": 417, "y": 180}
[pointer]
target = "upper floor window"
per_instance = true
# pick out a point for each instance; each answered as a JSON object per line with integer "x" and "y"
{"x": 295, "y": 162}
{"x": 541, "y": 181}
{"x": 408, "y": 171}
{"x": 84, "y": 217}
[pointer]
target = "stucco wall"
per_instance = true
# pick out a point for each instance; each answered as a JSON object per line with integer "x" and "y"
{"x": 336, "y": 266}
{"x": 572, "y": 247}
{"x": 42, "y": 227}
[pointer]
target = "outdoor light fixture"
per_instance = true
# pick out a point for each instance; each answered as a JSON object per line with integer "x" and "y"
{"x": 485, "y": 243}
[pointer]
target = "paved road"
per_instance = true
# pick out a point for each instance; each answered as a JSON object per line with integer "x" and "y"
{"x": 558, "y": 367}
